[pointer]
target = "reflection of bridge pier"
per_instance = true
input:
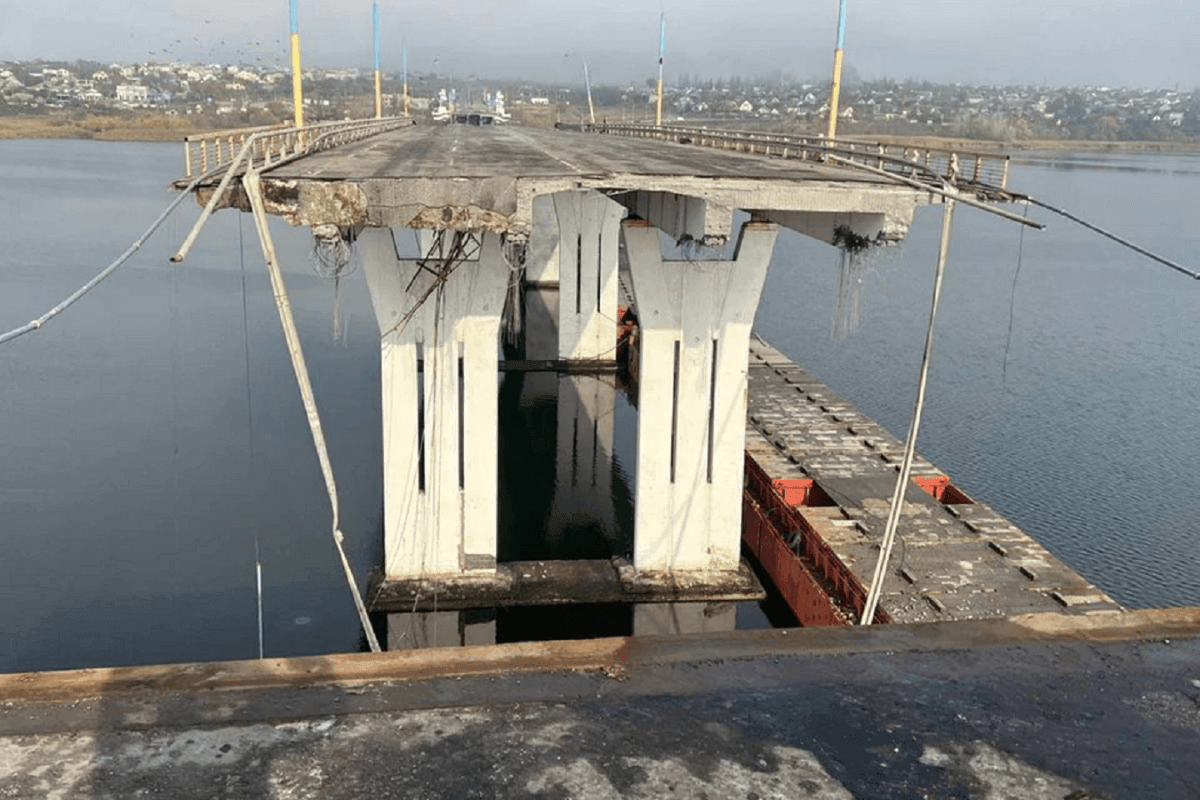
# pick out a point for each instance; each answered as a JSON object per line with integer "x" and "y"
{"x": 551, "y": 210}
{"x": 571, "y": 313}
{"x": 584, "y": 496}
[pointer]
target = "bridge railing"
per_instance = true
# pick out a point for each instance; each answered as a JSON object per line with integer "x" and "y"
{"x": 982, "y": 171}
{"x": 204, "y": 152}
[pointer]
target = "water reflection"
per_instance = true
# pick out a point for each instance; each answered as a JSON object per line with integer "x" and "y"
{"x": 1116, "y": 161}
{"x": 485, "y": 626}
{"x": 563, "y": 493}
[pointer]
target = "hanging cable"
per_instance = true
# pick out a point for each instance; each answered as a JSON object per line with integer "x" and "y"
{"x": 1125, "y": 242}
{"x": 910, "y": 444}
{"x": 104, "y": 273}
{"x": 253, "y": 465}
{"x": 292, "y": 336}
{"x": 946, "y": 191}
{"x": 175, "y": 527}
{"x": 1012, "y": 299}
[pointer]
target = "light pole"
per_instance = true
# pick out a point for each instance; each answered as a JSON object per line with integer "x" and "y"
{"x": 662, "y": 46}
{"x": 297, "y": 88}
{"x": 836, "y": 89}
{"x": 378, "y": 82}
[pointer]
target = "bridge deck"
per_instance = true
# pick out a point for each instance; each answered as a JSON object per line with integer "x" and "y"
{"x": 485, "y": 178}
{"x": 464, "y": 151}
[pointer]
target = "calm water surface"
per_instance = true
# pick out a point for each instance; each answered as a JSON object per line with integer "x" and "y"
{"x": 141, "y": 465}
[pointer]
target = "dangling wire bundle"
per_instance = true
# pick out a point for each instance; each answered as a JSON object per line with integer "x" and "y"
{"x": 332, "y": 259}
{"x": 852, "y": 267}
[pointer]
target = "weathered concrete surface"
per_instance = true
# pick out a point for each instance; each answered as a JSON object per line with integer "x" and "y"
{"x": 953, "y": 561}
{"x": 529, "y": 583}
{"x": 1044, "y": 706}
{"x": 462, "y": 177}
{"x": 695, "y": 319}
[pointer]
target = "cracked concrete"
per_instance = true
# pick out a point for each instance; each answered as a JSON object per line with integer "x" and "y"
{"x": 1046, "y": 707}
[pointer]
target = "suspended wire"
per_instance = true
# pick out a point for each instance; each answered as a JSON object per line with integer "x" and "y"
{"x": 104, "y": 273}
{"x": 253, "y": 465}
{"x": 1012, "y": 299}
{"x": 292, "y": 336}
{"x": 1136, "y": 248}
{"x": 175, "y": 426}
{"x": 910, "y": 444}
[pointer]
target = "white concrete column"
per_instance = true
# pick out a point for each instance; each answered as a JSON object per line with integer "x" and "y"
{"x": 541, "y": 258}
{"x": 439, "y": 416}
{"x": 587, "y": 276}
{"x": 695, "y": 319}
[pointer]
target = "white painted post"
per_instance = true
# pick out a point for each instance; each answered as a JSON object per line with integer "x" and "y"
{"x": 440, "y": 422}
{"x": 587, "y": 258}
{"x": 695, "y": 319}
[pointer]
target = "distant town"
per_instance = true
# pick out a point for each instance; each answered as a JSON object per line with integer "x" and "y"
{"x": 205, "y": 96}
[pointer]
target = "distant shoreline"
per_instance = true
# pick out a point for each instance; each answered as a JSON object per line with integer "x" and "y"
{"x": 1033, "y": 145}
{"x": 172, "y": 128}
{"x": 114, "y": 128}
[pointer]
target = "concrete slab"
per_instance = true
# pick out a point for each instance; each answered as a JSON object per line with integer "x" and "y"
{"x": 536, "y": 583}
{"x": 475, "y": 178}
{"x": 1035, "y": 707}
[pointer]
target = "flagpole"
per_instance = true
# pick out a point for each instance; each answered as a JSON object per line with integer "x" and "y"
{"x": 378, "y": 82}
{"x": 836, "y": 89}
{"x": 662, "y": 46}
{"x": 297, "y": 88}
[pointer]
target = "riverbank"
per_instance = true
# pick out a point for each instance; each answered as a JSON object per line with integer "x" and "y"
{"x": 160, "y": 127}
{"x": 1023, "y": 145}
{"x": 114, "y": 127}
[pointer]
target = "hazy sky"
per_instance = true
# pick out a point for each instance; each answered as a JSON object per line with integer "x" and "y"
{"x": 1152, "y": 43}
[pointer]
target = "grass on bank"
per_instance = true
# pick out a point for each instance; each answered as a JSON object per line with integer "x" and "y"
{"x": 159, "y": 127}
{"x": 144, "y": 127}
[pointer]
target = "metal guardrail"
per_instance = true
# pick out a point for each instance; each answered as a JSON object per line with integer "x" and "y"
{"x": 280, "y": 144}
{"x": 272, "y": 143}
{"x": 979, "y": 171}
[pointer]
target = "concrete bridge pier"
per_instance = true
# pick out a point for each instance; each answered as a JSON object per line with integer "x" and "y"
{"x": 439, "y": 322}
{"x": 588, "y": 227}
{"x": 695, "y": 318}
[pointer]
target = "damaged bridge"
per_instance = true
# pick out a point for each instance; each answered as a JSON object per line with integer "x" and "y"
{"x": 459, "y": 226}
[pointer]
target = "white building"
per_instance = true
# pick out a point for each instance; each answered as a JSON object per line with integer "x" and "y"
{"x": 132, "y": 93}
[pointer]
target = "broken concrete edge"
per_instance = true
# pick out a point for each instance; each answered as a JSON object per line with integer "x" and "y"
{"x": 505, "y": 205}
{"x": 624, "y": 653}
{"x": 526, "y": 583}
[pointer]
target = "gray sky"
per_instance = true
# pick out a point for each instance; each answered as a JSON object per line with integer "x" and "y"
{"x": 1152, "y": 43}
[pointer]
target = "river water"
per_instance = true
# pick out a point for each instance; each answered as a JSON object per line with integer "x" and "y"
{"x": 153, "y": 433}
